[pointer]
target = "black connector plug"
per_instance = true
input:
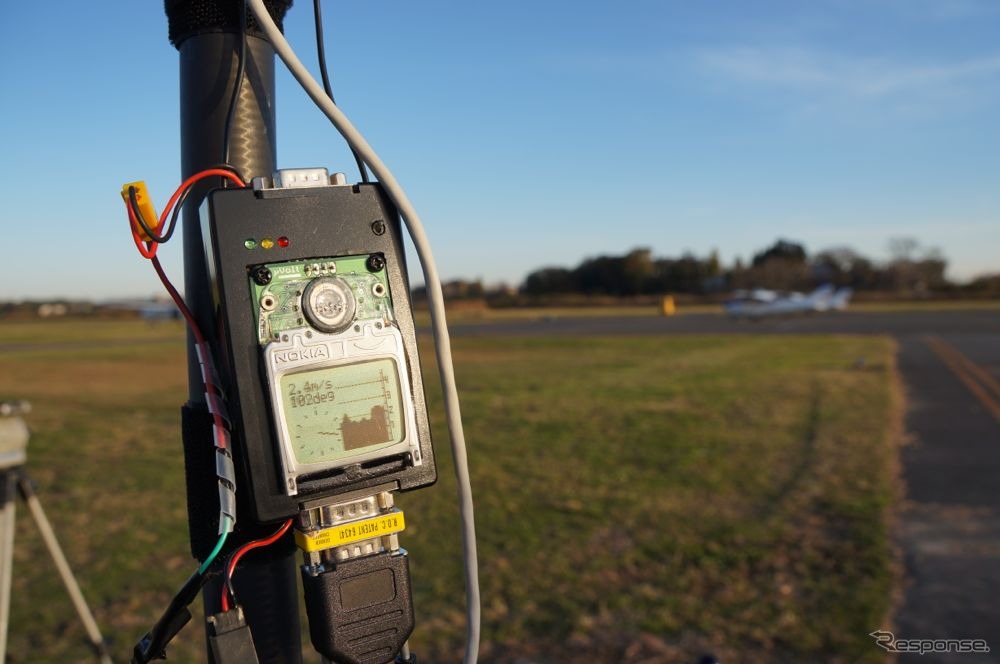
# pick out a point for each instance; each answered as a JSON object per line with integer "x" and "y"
{"x": 361, "y": 611}
{"x": 230, "y": 639}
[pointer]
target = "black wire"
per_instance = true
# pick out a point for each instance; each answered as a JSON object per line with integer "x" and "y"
{"x": 184, "y": 194}
{"x": 175, "y": 616}
{"x": 172, "y": 224}
{"x": 156, "y": 237}
{"x": 229, "y": 578}
{"x": 238, "y": 87}
{"x": 321, "y": 52}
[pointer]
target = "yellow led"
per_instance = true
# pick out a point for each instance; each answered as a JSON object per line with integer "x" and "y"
{"x": 266, "y": 243}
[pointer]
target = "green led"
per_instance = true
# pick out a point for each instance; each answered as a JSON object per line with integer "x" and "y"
{"x": 250, "y": 244}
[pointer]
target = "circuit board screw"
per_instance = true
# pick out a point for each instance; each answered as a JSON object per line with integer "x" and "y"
{"x": 375, "y": 262}
{"x": 378, "y": 227}
{"x": 261, "y": 275}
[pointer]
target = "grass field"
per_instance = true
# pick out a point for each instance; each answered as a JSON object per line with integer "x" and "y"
{"x": 641, "y": 499}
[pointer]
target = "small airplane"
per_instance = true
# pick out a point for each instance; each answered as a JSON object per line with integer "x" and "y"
{"x": 760, "y": 302}
{"x": 152, "y": 309}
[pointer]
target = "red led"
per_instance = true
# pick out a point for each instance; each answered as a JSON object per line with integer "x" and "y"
{"x": 282, "y": 241}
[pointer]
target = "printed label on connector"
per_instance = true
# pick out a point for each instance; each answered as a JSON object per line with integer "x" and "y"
{"x": 348, "y": 533}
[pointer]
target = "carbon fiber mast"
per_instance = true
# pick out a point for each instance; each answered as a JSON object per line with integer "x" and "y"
{"x": 208, "y": 37}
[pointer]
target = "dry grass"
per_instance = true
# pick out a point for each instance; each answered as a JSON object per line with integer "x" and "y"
{"x": 643, "y": 499}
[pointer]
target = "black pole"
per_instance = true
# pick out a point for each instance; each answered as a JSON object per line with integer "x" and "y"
{"x": 207, "y": 36}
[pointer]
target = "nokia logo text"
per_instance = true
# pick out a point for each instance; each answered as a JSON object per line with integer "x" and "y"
{"x": 313, "y": 353}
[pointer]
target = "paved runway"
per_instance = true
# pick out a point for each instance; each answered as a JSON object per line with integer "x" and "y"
{"x": 950, "y": 525}
{"x": 949, "y": 529}
{"x": 983, "y": 321}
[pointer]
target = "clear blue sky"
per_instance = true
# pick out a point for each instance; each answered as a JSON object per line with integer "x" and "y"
{"x": 533, "y": 134}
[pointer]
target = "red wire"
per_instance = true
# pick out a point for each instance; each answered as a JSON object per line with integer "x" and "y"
{"x": 243, "y": 550}
{"x": 199, "y": 339}
{"x": 149, "y": 250}
{"x": 178, "y": 300}
{"x": 200, "y": 175}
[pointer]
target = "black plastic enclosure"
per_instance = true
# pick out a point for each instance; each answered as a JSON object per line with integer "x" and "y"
{"x": 319, "y": 222}
{"x": 361, "y": 611}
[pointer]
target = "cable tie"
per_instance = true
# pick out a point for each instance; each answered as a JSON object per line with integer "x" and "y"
{"x": 209, "y": 375}
{"x": 221, "y": 437}
{"x": 227, "y": 506}
{"x": 206, "y": 363}
{"x": 218, "y": 407}
{"x": 224, "y": 467}
{"x": 224, "y": 412}
{"x": 226, "y": 523}
{"x": 210, "y": 402}
{"x": 201, "y": 351}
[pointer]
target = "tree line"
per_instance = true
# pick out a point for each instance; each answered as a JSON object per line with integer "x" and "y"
{"x": 910, "y": 270}
{"x": 785, "y": 265}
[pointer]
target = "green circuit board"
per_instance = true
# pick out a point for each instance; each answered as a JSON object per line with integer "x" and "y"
{"x": 278, "y": 304}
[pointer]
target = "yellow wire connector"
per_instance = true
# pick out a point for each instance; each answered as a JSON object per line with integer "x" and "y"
{"x": 145, "y": 202}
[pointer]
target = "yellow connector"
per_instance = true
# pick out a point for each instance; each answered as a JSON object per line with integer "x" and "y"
{"x": 145, "y": 202}
{"x": 350, "y": 532}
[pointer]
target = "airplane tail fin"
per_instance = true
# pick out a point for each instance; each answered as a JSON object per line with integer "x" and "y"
{"x": 841, "y": 298}
{"x": 821, "y": 298}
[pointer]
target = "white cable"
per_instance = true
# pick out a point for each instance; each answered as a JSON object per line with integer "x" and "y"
{"x": 442, "y": 341}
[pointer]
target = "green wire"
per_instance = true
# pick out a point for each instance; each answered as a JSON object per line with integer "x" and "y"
{"x": 215, "y": 552}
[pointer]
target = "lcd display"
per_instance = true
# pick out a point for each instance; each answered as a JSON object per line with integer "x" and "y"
{"x": 338, "y": 412}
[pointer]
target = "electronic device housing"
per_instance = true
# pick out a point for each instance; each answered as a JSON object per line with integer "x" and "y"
{"x": 319, "y": 222}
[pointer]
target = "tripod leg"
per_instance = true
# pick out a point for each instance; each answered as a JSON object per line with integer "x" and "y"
{"x": 6, "y": 555}
{"x": 45, "y": 528}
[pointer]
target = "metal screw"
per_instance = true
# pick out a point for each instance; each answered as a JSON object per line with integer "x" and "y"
{"x": 375, "y": 263}
{"x": 378, "y": 227}
{"x": 261, "y": 275}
